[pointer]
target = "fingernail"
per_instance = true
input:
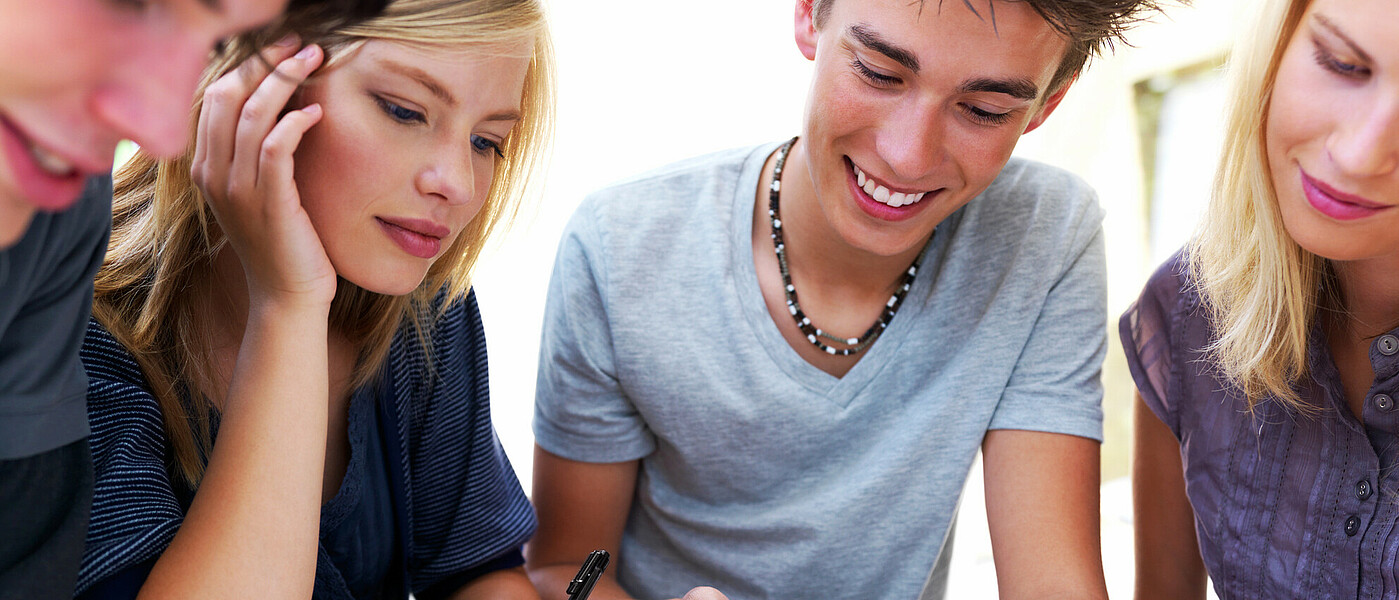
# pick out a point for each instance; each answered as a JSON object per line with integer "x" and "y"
{"x": 288, "y": 41}
{"x": 306, "y": 52}
{"x": 311, "y": 109}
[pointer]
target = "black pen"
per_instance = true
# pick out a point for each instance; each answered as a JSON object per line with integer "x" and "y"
{"x": 587, "y": 576}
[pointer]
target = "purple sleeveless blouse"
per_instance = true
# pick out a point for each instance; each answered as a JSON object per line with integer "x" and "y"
{"x": 1286, "y": 505}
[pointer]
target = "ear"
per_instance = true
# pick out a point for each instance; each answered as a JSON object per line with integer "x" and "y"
{"x": 1050, "y": 103}
{"x": 806, "y": 30}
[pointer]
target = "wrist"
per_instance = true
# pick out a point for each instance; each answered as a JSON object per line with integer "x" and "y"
{"x": 301, "y": 310}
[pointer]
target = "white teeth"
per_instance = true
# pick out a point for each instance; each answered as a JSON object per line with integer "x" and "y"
{"x": 882, "y": 194}
{"x": 50, "y": 163}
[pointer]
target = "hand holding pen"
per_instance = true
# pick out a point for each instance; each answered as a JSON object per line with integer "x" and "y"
{"x": 582, "y": 584}
{"x": 588, "y": 574}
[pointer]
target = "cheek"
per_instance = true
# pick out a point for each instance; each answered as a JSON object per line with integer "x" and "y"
{"x": 838, "y": 103}
{"x": 76, "y": 43}
{"x": 482, "y": 193}
{"x": 335, "y": 174}
{"x": 981, "y": 150}
{"x": 1301, "y": 110}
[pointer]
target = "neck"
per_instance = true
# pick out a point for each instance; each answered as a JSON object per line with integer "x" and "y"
{"x": 1371, "y": 294}
{"x": 816, "y": 252}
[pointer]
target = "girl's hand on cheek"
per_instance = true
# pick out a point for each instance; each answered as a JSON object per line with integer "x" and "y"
{"x": 243, "y": 164}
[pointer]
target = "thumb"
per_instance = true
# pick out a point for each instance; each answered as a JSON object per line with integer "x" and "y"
{"x": 704, "y": 593}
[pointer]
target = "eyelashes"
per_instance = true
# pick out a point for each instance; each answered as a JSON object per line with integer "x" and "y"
{"x": 1328, "y": 61}
{"x": 486, "y": 146}
{"x": 407, "y": 116}
{"x": 399, "y": 113}
{"x": 985, "y": 116}
{"x": 871, "y": 75}
{"x": 882, "y": 81}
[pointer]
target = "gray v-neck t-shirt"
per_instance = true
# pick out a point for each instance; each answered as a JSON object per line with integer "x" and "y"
{"x": 761, "y": 474}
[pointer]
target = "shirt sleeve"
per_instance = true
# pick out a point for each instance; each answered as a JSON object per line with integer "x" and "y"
{"x": 50, "y": 272}
{"x": 1145, "y": 330}
{"x": 1056, "y": 385}
{"x": 469, "y": 511}
{"x": 581, "y": 409}
{"x": 135, "y": 511}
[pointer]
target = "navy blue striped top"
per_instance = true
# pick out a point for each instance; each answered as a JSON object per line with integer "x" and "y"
{"x": 452, "y": 483}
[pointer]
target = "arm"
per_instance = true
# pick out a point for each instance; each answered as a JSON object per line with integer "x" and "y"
{"x": 506, "y": 584}
{"x": 1042, "y": 507}
{"x": 1167, "y": 553}
{"x": 582, "y": 507}
{"x": 252, "y": 528}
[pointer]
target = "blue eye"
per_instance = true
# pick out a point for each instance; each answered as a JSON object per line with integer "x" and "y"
{"x": 399, "y": 113}
{"x": 1329, "y": 62}
{"x": 485, "y": 146}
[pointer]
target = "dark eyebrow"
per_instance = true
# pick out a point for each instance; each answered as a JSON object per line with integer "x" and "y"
{"x": 1336, "y": 31}
{"x": 1022, "y": 89}
{"x": 422, "y": 78}
{"x": 867, "y": 37}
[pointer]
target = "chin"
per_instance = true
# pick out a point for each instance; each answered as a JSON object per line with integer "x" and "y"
{"x": 385, "y": 283}
{"x": 1327, "y": 242}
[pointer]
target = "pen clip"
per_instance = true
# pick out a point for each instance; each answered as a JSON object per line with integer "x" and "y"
{"x": 588, "y": 574}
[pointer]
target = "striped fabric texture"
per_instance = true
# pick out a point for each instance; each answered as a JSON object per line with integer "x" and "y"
{"x": 464, "y": 505}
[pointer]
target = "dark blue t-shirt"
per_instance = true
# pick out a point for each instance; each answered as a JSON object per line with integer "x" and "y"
{"x": 459, "y": 511}
{"x": 357, "y": 524}
{"x": 45, "y": 300}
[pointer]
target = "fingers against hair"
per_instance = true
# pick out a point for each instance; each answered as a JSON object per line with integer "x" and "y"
{"x": 260, "y": 112}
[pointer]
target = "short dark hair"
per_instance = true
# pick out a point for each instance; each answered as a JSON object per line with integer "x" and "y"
{"x": 1089, "y": 25}
{"x": 347, "y": 11}
{"x": 313, "y": 17}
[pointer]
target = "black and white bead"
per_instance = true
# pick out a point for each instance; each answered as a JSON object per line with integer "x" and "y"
{"x": 815, "y": 334}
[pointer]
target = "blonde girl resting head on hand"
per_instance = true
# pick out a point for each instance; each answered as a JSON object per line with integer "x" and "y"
{"x": 289, "y": 392}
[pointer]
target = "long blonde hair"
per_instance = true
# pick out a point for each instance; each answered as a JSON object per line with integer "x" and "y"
{"x": 1262, "y": 289}
{"x": 158, "y": 269}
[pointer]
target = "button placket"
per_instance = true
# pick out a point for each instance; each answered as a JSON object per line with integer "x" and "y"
{"x": 1352, "y": 526}
{"x": 1362, "y": 489}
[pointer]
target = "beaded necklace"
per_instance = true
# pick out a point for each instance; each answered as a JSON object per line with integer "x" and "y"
{"x": 813, "y": 333}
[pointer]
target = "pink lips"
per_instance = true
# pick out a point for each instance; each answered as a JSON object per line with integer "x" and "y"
{"x": 418, "y": 237}
{"x": 40, "y": 188}
{"x": 1335, "y": 203}
{"x": 880, "y": 210}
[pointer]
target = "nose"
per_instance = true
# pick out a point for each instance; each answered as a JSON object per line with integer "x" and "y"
{"x": 913, "y": 141}
{"x": 1368, "y": 145}
{"x": 450, "y": 177}
{"x": 147, "y": 97}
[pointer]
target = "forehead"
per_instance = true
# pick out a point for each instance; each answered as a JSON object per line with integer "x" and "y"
{"x": 1369, "y": 24}
{"x": 991, "y": 38}
{"x": 475, "y": 74}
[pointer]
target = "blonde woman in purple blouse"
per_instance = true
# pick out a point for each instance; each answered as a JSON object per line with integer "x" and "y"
{"x": 1266, "y": 353}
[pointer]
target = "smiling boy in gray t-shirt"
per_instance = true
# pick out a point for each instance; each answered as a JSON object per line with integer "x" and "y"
{"x": 769, "y": 370}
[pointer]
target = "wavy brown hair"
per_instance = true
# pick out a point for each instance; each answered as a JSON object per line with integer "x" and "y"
{"x": 153, "y": 289}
